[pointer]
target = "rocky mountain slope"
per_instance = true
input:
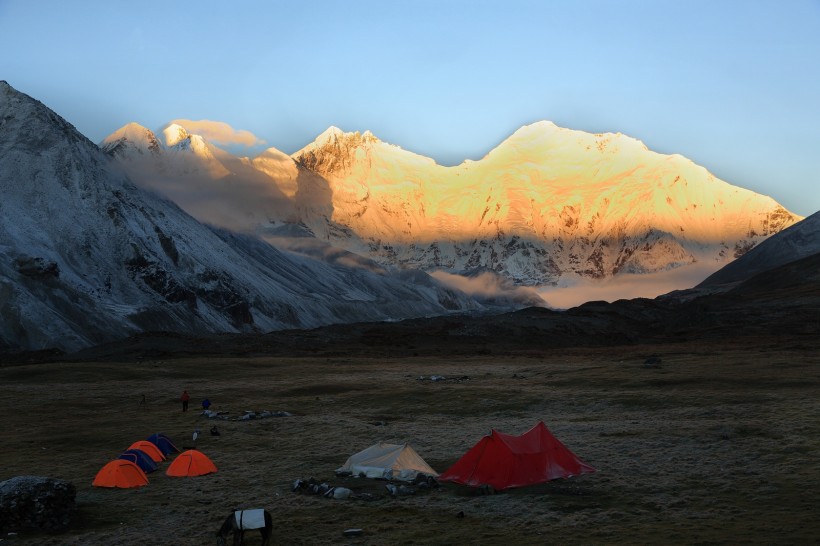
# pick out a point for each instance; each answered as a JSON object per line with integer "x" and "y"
{"x": 87, "y": 257}
{"x": 547, "y": 205}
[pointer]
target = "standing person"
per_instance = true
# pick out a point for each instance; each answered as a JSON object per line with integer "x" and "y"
{"x": 185, "y": 397}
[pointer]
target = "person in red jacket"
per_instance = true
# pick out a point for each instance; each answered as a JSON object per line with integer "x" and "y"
{"x": 185, "y": 397}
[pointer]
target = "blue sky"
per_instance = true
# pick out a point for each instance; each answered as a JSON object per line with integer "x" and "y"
{"x": 733, "y": 85}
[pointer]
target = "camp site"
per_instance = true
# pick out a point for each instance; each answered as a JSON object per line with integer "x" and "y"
{"x": 573, "y": 446}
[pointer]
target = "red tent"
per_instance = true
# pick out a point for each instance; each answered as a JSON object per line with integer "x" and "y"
{"x": 504, "y": 461}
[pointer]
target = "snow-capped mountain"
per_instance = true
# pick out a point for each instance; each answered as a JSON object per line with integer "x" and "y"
{"x": 87, "y": 257}
{"x": 131, "y": 141}
{"x": 546, "y": 206}
{"x": 545, "y": 203}
{"x": 209, "y": 183}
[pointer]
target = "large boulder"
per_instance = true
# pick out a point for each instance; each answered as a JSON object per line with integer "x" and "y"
{"x": 35, "y": 503}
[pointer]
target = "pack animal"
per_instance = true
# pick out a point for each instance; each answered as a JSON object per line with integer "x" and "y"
{"x": 235, "y": 525}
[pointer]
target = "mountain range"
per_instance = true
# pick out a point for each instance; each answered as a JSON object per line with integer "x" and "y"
{"x": 547, "y": 206}
{"x": 176, "y": 234}
{"x": 88, "y": 257}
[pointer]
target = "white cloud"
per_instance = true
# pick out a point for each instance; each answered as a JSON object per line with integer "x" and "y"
{"x": 219, "y": 132}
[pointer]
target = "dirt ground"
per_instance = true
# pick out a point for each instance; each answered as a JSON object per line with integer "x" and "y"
{"x": 719, "y": 445}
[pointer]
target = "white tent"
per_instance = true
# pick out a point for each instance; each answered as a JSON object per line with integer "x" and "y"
{"x": 389, "y": 461}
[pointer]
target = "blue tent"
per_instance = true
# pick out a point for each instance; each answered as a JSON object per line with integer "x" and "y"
{"x": 163, "y": 443}
{"x": 140, "y": 458}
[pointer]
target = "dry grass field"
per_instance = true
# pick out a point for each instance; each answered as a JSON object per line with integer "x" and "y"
{"x": 720, "y": 445}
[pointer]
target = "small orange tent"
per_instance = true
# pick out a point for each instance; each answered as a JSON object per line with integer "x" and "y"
{"x": 120, "y": 473}
{"x": 150, "y": 449}
{"x": 191, "y": 463}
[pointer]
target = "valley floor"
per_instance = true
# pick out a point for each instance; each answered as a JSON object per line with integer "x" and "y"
{"x": 720, "y": 444}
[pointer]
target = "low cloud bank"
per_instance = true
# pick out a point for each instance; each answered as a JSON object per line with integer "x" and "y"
{"x": 575, "y": 291}
{"x": 488, "y": 287}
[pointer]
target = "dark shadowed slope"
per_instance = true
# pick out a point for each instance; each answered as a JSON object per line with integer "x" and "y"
{"x": 779, "y": 305}
{"x": 793, "y": 243}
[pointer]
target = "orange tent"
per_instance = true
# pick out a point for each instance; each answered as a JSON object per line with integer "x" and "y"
{"x": 150, "y": 449}
{"x": 120, "y": 473}
{"x": 191, "y": 463}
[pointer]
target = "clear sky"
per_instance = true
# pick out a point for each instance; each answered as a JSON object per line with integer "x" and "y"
{"x": 732, "y": 84}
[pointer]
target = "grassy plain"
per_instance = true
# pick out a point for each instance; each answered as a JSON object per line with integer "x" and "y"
{"x": 720, "y": 445}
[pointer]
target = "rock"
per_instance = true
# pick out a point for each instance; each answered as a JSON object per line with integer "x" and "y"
{"x": 34, "y": 503}
{"x": 485, "y": 489}
{"x": 653, "y": 361}
{"x": 425, "y": 482}
{"x": 36, "y": 267}
{"x": 352, "y": 532}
